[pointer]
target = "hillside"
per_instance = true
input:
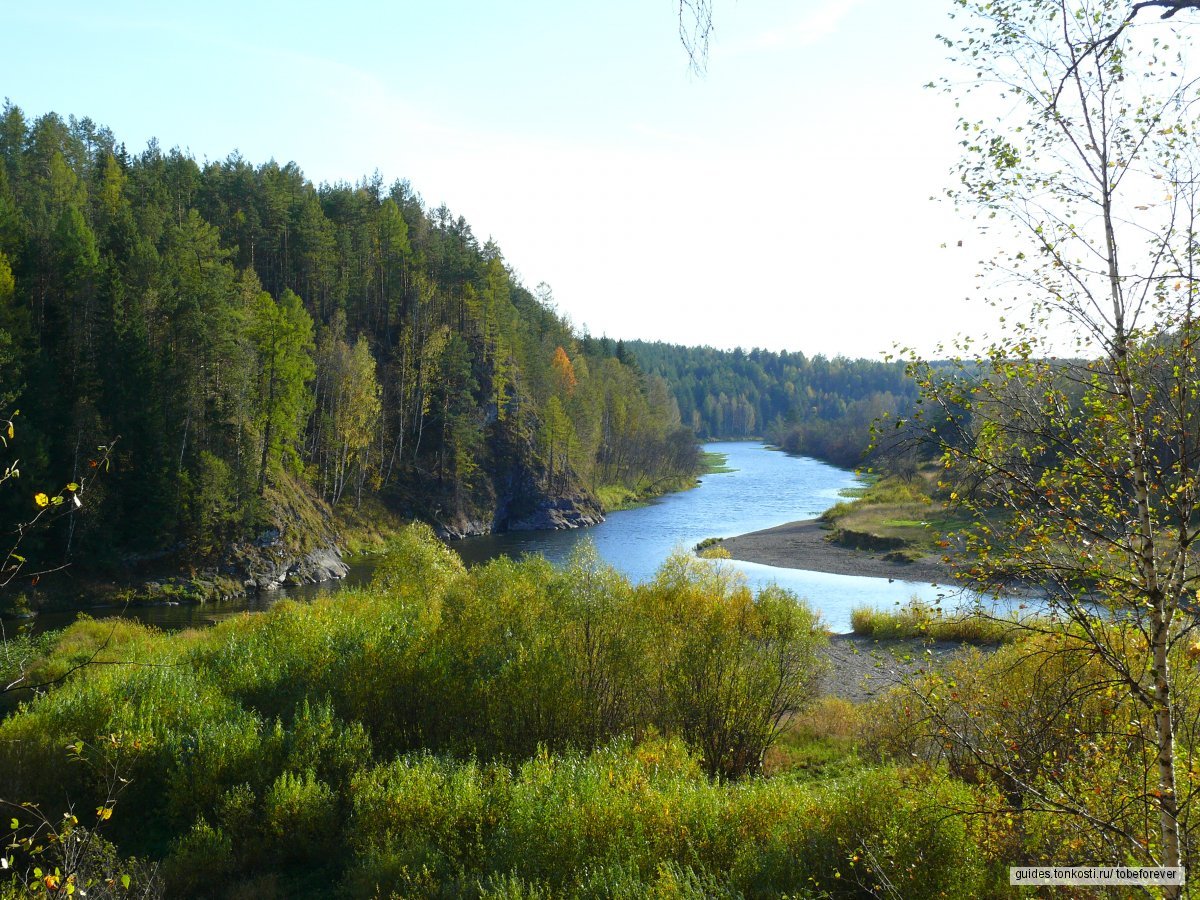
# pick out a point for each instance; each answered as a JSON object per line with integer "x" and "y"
{"x": 248, "y": 335}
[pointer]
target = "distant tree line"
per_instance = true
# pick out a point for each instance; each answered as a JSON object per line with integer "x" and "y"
{"x": 249, "y": 334}
{"x": 818, "y": 406}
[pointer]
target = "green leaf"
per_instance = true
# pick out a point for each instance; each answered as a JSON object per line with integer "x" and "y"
{"x": 125, "y": 881}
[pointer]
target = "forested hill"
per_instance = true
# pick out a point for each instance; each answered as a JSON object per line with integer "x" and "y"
{"x": 814, "y": 405}
{"x": 260, "y": 343}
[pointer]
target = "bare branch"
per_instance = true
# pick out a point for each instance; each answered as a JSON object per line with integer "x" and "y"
{"x": 695, "y": 29}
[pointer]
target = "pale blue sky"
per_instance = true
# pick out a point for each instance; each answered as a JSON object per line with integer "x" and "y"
{"x": 780, "y": 200}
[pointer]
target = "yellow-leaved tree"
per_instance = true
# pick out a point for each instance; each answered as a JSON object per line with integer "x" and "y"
{"x": 1073, "y": 440}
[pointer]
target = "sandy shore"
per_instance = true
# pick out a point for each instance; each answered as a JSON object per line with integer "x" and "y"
{"x": 802, "y": 545}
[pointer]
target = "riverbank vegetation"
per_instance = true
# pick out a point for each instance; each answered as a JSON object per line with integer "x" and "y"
{"x": 516, "y": 730}
{"x": 615, "y": 497}
{"x": 925, "y": 621}
{"x": 903, "y": 517}
{"x": 714, "y": 463}
{"x": 508, "y": 730}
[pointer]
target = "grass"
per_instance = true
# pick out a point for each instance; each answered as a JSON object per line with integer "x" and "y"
{"x": 905, "y": 523}
{"x": 615, "y": 497}
{"x": 918, "y": 619}
{"x": 714, "y": 463}
{"x": 891, "y": 495}
{"x": 367, "y": 528}
{"x": 711, "y": 548}
{"x": 892, "y": 514}
{"x": 819, "y": 742}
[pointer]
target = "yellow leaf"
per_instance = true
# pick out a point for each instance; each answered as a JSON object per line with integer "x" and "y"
{"x": 41, "y": 499}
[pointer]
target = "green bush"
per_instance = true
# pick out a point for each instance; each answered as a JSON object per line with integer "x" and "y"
{"x": 419, "y": 820}
{"x": 200, "y": 861}
{"x": 733, "y": 664}
{"x": 275, "y": 741}
{"x": 641, "y": 820}
{"x": 417, "y": 568}
{"x": 318, "y": 741}
{"x": 1041, "y": 724}
{"x": 239, "y": 815}
{"x": 300, "y": 819}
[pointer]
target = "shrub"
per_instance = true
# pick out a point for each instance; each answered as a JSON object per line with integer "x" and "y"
{"x": 300, "y": 819}
{"x": 319, "y": 742}
{"x": 417, "y": 568}
{"x": 734, "y": 664}
{"x": 202, "y": 858}
{"x": 89, "y": 640}
{"x": 1040, "y": 724}
{"x": 418, "y": 822}
{"x": 851, "y": 837}
{"x": 257, "y": 741}
{"x": 637, "y": 820}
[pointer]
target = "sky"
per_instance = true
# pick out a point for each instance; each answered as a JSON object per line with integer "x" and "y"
{"x": 780, "y": 199}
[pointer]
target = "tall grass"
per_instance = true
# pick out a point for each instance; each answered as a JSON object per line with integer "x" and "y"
{"x": 919, "y": 619}
{"x": 632, "y": 820}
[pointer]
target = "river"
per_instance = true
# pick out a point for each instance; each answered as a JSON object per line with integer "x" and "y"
{"x": 765, "y": 488}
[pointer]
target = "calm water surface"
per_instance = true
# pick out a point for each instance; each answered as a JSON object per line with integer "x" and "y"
{"x": 767, "y": 488}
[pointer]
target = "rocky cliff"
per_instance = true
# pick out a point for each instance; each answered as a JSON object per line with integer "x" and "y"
{"x": 300, "y": 546}
{"x": 516, "y": 492}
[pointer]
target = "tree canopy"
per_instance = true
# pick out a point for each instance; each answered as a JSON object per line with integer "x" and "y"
{"x": 247, "y": 332}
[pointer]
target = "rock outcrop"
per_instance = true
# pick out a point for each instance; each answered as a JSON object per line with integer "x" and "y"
{"x": 300, "y": 546}
{"x": 270, "y": 574}
{"x": 518, "y": 494}
{"x": 578, "y": 511}
{"x": 270, "y": 562}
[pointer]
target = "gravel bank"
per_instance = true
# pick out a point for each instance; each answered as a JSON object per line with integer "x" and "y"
{"x": 863, "y": 668}
{"x": 802, "y": 545}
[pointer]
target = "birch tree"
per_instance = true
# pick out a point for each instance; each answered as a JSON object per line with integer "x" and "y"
{"x": 1073, "y": 439}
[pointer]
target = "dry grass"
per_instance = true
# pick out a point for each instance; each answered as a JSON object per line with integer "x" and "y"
{"x": 918, "y": 619}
